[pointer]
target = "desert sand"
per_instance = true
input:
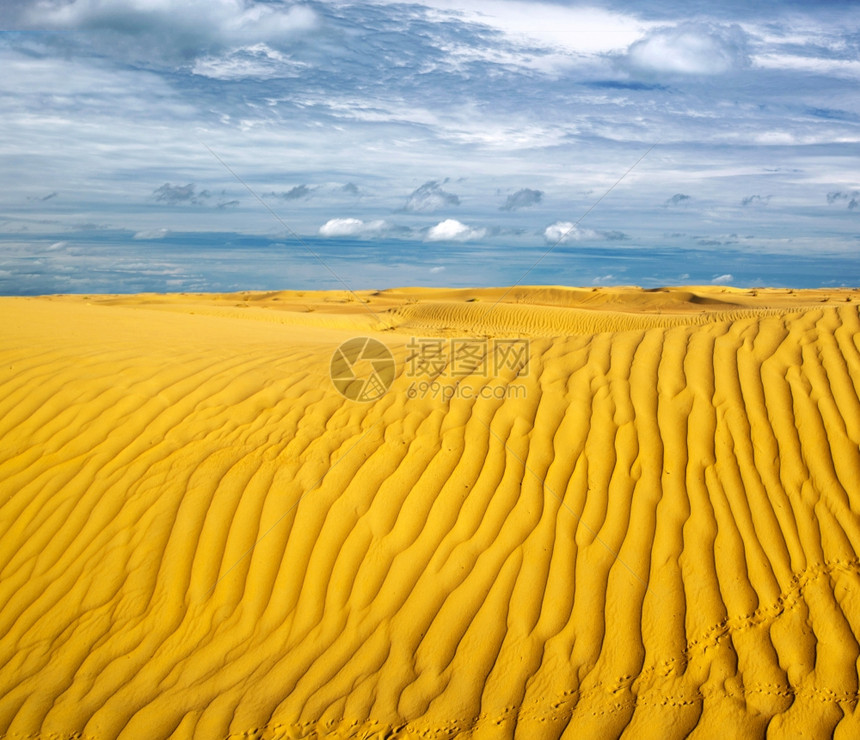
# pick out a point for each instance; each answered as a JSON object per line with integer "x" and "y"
{"x": 656, "y": 537}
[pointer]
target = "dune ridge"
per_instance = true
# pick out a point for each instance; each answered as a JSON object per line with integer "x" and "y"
{"x": 548, "y": 321}
{"x": 199, "y": 537}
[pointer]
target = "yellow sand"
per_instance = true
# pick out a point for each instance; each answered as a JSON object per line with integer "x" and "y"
{"x": 200, "y": 537}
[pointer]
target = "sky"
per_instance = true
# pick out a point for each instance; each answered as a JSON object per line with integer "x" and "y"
{"x": 201, "y": 145}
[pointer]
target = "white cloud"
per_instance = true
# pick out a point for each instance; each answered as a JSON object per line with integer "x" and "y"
{"x": 723, "y": 279}
{"x": 437, "y": 269}
{"x": 566, "y": 231}
{"x": 452, "y": 230}
{"x": 351, "y": 227}
{"x": 700, "y": 49}
{"x": 579, "y": 29}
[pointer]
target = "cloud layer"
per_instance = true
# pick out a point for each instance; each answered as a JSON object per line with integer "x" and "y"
{"x": 177, "y": 30}
{"x": 433, "y": 126}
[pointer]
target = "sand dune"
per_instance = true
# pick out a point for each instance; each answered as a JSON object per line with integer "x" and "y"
{"x": 657, "y": 536}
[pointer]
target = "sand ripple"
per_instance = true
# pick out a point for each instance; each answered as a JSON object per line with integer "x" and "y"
{"x": 200, "y": 538}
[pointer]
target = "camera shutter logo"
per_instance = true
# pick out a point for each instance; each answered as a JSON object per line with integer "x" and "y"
{"x": 362, "y": 369}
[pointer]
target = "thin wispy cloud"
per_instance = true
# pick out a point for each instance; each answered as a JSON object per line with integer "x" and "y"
{"x": 755, "y": 200}
{"x": 44, "y": 198}
{"x": 147, "y": 234}
{"x": 851, "y": 198}
{"x": 431, "y": 196}
{"x": 294, "y": 193}
{"x": 257, "y": 61}
{"x": 522, "y": 199}
{"x": 178, "y": 194}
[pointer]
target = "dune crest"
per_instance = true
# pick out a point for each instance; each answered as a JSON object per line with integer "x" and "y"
{"x": 658, "y": 535}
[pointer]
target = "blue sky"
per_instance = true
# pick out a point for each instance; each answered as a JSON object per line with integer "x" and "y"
{"x": 427, "y": 144}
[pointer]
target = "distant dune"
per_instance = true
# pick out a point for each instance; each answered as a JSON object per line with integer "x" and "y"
{"x": 649, "y": 529}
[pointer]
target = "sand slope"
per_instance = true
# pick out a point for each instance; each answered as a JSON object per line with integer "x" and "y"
{"x": 199, "y": 537}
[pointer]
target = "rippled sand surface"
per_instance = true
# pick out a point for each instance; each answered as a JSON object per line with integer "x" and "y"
{"x": 655, "y": 536}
